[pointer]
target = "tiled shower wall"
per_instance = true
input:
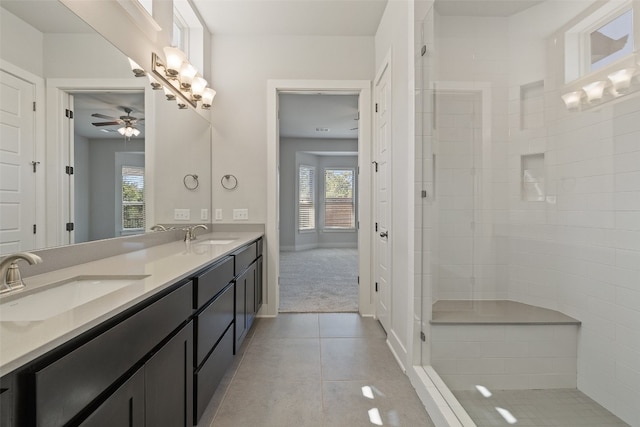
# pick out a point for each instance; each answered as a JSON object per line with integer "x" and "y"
{"x": 576, "y": 248}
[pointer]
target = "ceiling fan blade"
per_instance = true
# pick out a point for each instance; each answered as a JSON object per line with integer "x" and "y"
{"x": 106, "y": 124}
{"x": 102, "y": 116}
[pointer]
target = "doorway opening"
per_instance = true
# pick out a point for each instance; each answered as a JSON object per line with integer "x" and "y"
{"x": 339, "y": 215}
{"x": 318, "y": 201}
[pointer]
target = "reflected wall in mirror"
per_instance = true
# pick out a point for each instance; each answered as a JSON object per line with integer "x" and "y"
{"x": 46, "y": 49}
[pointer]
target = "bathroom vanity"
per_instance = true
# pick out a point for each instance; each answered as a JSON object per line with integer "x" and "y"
{"x": 150, "y": 353}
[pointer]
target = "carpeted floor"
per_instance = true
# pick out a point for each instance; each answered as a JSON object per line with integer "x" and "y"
{"x": 319, "y": 281}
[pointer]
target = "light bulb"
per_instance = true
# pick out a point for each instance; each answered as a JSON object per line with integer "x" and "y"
{"x": 594, "y": 90}
{"x": 187, "y": 73}
{"x": 137, "y": 69}
{"x": 174, "y": 58}
{"x": 128, "y": 131}
{"x": 572, "y": 99}
{"x": 198, "y": 85}
{"x": 136, "y": 132}
{"x": 621, "y": 80}
{"x": 207, "y": 97}
{"x": 121, "y": 131}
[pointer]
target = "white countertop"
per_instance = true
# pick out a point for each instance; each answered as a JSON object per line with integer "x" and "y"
{"x": 23, "y": 341}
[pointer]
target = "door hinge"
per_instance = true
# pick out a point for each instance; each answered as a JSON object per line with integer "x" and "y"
{"x": 358, "y": 225}
{"x": 69, "y": 226}
{"x": 68, "y": 170}
{"x": 423, "y": 51}
{"x": 34, "y": 229}
{"x": 376, "y": 226}
{"x": 376, "y": 107}
{"x": 376, "y": 286}
{"x": 358, "y": 280}
{"x": 68, "y": 114}
{"x": 423, "y": 337}
{"x": 424, "y": 194}
{"x": 34, "y": 105}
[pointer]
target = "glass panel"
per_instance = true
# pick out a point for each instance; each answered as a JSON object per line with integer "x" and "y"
{"x": 612, "y": 41}
{"x": 339, "y": 209}
{"x": 306, "y": 198}
{"x": 133, "y": 212}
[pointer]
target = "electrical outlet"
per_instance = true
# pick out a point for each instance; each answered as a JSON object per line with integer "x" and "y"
{"x": 218, "y": 214}
{"x": 241, "y": 214}
{"x": 204, "y": 214}
{"x": 182, "y": 214}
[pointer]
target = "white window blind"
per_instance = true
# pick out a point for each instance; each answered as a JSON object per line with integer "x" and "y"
{"x": 133, "y": 214}
{"x": 339, "y": 204}
{"x": 306, "y": 198}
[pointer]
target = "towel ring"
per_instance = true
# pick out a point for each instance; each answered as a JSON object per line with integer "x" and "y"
{"x": 229, "y": 182}
{"x": 193, "y": 183}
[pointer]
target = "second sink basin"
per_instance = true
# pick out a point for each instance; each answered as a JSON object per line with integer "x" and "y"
{"x": 215, "y": 242}
{"x": 51, "y": 300}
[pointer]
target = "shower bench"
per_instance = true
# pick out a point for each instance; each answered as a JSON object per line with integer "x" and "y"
{"x": 502, "y": 344}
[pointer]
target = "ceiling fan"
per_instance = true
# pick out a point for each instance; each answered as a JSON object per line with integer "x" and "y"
{"x": 127, "y": 123}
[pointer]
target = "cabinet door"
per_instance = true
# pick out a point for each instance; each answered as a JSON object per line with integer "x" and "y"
{"x": 258, "y": 284}
{"x": 250, "y": 286}
{"x": 240, "y": 316}
{"x": 124, "y": 408}
{"x": 169, "y": 383}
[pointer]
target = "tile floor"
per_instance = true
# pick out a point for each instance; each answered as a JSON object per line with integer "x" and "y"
{"x": 327, "y": 369}
{"x": 559, "y": 408}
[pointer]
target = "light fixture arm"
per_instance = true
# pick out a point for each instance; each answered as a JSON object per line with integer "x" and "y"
{"x": 158, "y": 70}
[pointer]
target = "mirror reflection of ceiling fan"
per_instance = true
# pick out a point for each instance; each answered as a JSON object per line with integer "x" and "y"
{"x": 127, "y": 123}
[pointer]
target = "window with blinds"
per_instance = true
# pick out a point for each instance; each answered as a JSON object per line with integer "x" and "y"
{"x": 306, "y": 198}
{"x": 133, "y": 214}
{"x": 339, "y": 203}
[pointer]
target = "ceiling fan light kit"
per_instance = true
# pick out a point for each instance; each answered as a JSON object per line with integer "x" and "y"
{"x": 178, "y": 78}
{"x": 127, "y": 123}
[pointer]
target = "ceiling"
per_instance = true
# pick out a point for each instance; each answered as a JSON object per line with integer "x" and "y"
{"x": 110, "y": 103}
{"x": 292, "y": 17}
{"x": 485, "y": 8}
{"x": 325, "y": 116}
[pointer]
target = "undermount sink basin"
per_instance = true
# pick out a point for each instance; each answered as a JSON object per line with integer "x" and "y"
{"x": 215, "y": 242}
{"x": 51, "y": 300}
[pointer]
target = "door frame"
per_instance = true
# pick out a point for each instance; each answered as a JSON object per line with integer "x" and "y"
{"x": 39, "y": 145}
{"x": 363, "y": 89}
{"x": 58, "y": 151}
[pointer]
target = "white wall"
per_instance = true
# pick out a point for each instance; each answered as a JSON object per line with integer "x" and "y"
{"x": 290, "y": 239}
{"x": 24, "y": 51}
{"x": 102, "y": 184}
{"x": 395, "y": 35}
{"x": 241, "y": 68}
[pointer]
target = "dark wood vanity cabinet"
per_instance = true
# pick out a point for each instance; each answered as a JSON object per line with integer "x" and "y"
{"x": 155, "y": 365}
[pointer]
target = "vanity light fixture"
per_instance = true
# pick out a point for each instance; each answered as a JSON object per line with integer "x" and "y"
{"x": 175, "y": 58}
{"x": 572, "y": 99}
{"x": 137, "y": 69}
{"x": 621, "y": 80}
{"x": 154, "y": 84}
{"x": 594, "y": 90}
{"x": 170, "y": 96}
{"x": 207, "y": 98}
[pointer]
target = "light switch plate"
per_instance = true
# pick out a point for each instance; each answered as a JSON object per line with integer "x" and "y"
{"x": 218, "y": 214}
{"x": 204, "y": 213}
{"x": 241, "y": 214}
{"x": 182, "y": 214}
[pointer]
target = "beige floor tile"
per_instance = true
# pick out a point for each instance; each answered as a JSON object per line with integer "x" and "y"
{"x": 271, "y": 404}
{"x": 357, "y": 358}
{"x": 359, "y": 403}
{"x": 287, "y": 326}
{"x": 333, "y": 325}
{"x": 287, "y": 359}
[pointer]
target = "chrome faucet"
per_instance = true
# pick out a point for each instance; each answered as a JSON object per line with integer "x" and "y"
{"x": 158, "y": 227}
{"x": 191, "y": 232}
{"x": 10, "y": 278}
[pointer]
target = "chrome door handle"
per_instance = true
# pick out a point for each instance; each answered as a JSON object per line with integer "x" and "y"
{"x": 384, "y": 234}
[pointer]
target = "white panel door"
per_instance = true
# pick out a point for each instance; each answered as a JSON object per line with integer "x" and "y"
{"x": 383, "y": 199}
{"x": 17, "y": 177}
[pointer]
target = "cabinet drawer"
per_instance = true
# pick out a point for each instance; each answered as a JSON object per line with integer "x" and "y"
{"x": 211, "y": 323}
{"x": 212, "y": 281}
{"x": 67, "y": 385}
{"x": 244, "y": 257}
{"x": 210, "y": 374}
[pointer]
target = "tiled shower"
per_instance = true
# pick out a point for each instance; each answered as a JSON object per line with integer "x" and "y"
{"x": 526, "y": 197}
